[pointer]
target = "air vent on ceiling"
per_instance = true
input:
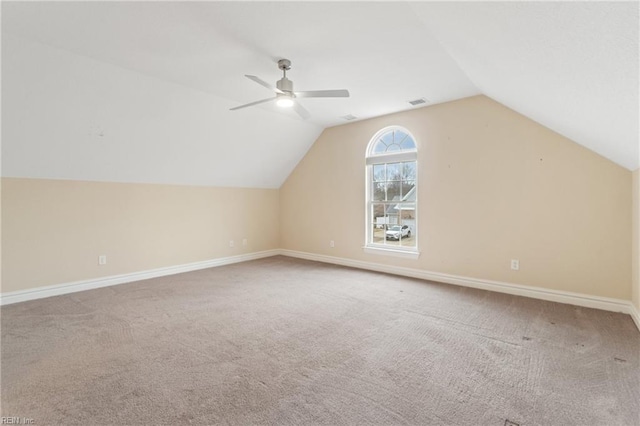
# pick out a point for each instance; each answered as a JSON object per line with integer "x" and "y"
{"x": 418, "y": 101}
{"x": 349, "y": 117}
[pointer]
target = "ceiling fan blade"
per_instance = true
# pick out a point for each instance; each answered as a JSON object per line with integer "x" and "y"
{"x": 323, "y": 94}
{"x": 302, "y": 112}
{"x": 252, "y": 103}
{"x": 261, "y": 82}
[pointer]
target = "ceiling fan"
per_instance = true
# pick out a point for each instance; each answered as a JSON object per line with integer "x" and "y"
{"x": 285, "y": 96}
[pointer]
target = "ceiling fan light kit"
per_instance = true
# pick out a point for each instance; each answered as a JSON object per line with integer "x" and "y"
{"x": 285, "y": 95}
{"x": 284, "y": 101}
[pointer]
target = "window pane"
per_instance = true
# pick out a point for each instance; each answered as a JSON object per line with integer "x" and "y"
{"x": 399, "y": 136}
{"x": 393, "y": 191}
{"x": 377, "y": 210}
{"x": 379, "y": 148}
{"x": 408, "y": 180}
{"x": 407, "y": 212}
{"x": 407, "y": 186}
{"x": 394, "y": 171}
{"x": 408, "y": 144}
{"x": 391, "y": 214}
{"x": 408, "y": 219}
{"x": 394, "y": 148}
{"x": 378, "y": 222}
{"x": 409, "y": 240}
{"x": 409, "y": 170}
{"x": 379, "y": 191}
{"x": 378, "y": 173}
{"x": 387, "y": 138}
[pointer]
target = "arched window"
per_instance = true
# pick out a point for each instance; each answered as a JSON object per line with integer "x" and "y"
{"x": 392, "y": 191}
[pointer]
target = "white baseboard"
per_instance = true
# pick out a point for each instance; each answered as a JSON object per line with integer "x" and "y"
{"x": 597, "y": 302}
{"x": 56, "y": 290}
{"x": 635, "y": 315}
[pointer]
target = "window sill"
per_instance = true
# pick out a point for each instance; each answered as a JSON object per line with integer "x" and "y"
{"x": 391, "y": 252}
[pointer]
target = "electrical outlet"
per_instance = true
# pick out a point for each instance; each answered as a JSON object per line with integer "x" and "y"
{"x": 231, "y": 243}
{"x": 515, "y": 264}
{"x": 332, "y": 243}
{"x": 244, "y": 242}
{"x": 102, "y": 260}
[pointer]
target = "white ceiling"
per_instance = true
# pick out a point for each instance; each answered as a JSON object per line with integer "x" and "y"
{"x": 381, "y": 52}
{"x": 573, "y": 67}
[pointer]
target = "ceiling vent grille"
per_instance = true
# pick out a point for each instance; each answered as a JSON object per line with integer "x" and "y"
{"x": 418, "y": 101}
{"x": 349, "y": 117}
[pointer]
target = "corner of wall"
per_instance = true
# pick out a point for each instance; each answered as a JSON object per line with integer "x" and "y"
{"x": 0, "y": 235}
{"x": 635, "y": 239}
{"x": 279, "y": 224}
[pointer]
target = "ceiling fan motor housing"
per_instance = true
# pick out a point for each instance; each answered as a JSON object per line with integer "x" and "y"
{"x": 285, "y": 84}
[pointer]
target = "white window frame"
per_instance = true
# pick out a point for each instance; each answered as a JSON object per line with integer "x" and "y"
{"x": 386, "y": 158}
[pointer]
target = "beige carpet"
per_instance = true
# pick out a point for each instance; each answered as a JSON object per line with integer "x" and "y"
{"x": 286, "y": 341}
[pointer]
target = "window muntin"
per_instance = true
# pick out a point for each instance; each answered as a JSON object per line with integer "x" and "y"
{"x": 392, "y": 190}
{"x": 392, "y": 141}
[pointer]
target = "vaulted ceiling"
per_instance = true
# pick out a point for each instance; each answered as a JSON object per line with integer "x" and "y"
{"x": 572, "y": 67}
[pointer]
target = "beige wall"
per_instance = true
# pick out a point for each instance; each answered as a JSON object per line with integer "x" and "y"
{"x": 635, "y": 252}
{"x": 54, "y": 230}
{"x": 493, "y": 186}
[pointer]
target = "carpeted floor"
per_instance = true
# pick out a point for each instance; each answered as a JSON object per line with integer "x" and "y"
{"x": 287, "y": 341}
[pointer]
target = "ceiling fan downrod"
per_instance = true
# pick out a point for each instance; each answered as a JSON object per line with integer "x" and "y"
{"x": 284, "y": 83}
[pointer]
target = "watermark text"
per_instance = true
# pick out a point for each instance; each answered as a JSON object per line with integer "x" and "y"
{"x": 15, "y": 420}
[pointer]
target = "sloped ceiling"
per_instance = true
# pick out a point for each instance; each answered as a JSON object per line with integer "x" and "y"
{"x": 141, "y": 91}
{"x": 571, "y": 66}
